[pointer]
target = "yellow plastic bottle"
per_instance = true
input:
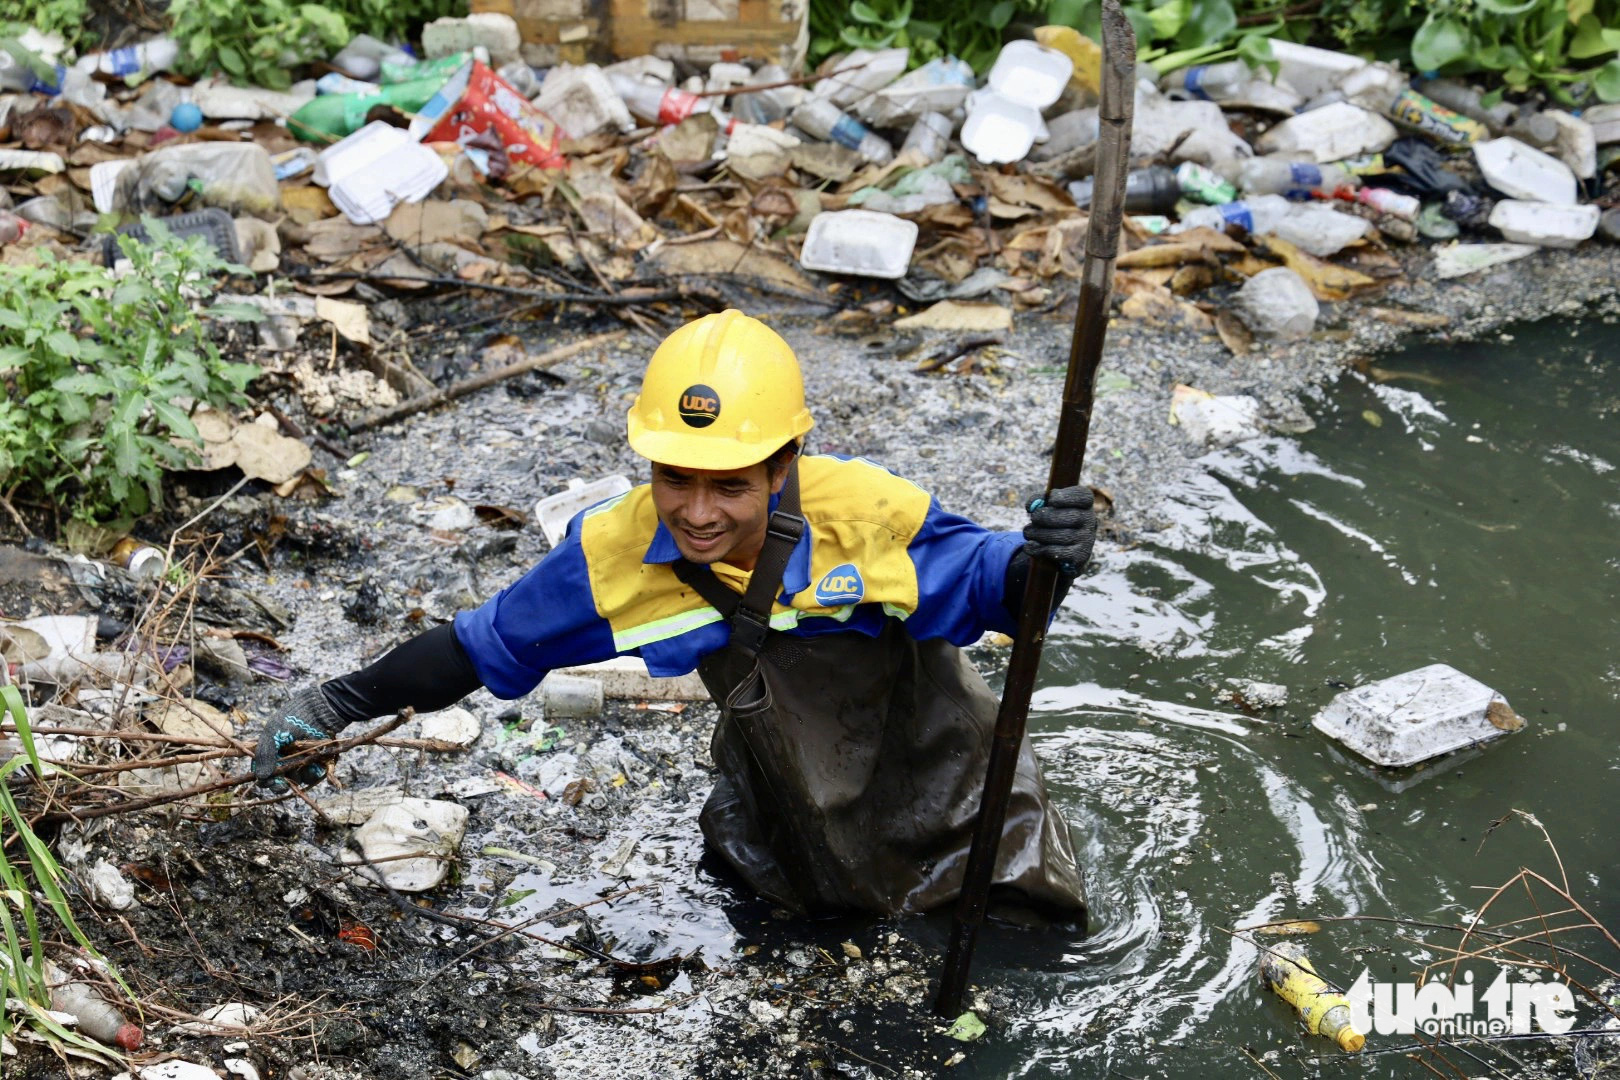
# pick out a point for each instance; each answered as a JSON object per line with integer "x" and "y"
{"x": 1286, "y": 969}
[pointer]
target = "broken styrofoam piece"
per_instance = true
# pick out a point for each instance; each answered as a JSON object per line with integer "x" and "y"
{"x": 1544, "y": 224}
{"x": 1332, "y": 133}
{"x": 355, "y": 807}
{"x": 454, "y": 725}
{"x": 1214, "y": 421}
{"x": 411, "y": 842}
{"x": 862, "y": 242}
{"x": 1520, "y": 171}
{"x": 173, "y": 1069}
{"x": 230, "y": 1018}
{"x": 1456, "y": 260}
{"x": 492, "y": 31}
{"x": 626, "y": 678}
{"x": 1416, "y": 716}
{"x": 583, "y": 101}
{"x": 860, "y": 74}
{"x": 108, "y": 887}
{"x": 939, "y": 86}
{"x": 554, "y": 512}
{"x": 369, "y": 173}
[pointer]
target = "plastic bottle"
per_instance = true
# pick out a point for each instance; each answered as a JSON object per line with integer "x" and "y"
{"x": 1233, "y": 81}
{"x": 929, "y": 136}
{"x": 1293, "y": 179}
{"x": 1154, "y": 190}
{"x": 1469, "y": 102}
{"x": 1286, "y": 970}
{"x": 1386, "y": 201}
{"x": 364, "y": 56}
{"x": 659, "y": 104}
{"x": 1261, "y": 214}
{"x": 1537, "y": 129}
{"x": 824, "y": 120}
{"x": 133, "y": 62}
{"x": 98, "y": 1017}
{"x": 1203, "y": 183}
{"x": 766, "y": 106}
{"x": 17, "y": 75}
{"x": 332, "y": 116}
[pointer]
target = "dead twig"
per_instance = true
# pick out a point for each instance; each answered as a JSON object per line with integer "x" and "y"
{"x": 479, "y": 382}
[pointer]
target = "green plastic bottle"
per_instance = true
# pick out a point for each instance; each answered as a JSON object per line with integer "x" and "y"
{"x": 330, "y": 117}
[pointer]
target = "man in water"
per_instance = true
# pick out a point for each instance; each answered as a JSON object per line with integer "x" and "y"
{"x": 822, "y": 600}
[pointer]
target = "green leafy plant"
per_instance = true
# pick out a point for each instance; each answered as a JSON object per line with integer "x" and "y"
{"x": 35, "y": 871}
{"x": 256, "y": 42}
{"x": 1171, "y": 34}
{"x": 259, "y": 42}
{"x": 101, "y": 374}
{"x": 968, "y": 29}
{"x": 70, "y": 18}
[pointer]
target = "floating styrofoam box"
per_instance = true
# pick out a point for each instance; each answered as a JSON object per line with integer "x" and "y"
{"x": 554, "y": 512}
{"x": 865, "y": 242}
{"x": 1416, "y": 716}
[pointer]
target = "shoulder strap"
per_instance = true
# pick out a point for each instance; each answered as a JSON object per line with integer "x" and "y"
{"x": 750, "y": 612}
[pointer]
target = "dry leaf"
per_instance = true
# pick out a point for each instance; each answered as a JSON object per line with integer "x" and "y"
{"x": 352, "y": 322}
{"x": 959, "y": 315}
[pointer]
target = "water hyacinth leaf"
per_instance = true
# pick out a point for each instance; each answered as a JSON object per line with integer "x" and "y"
{"x": 1166, "y": 20}
{"x": 1255, "y": 50}
{"x": 966, "y": 1028}
{"x": 1001, "y": 14}
{"x": 1575, "y": 10}
{"x": 1210, "y": 22}
{"x": 1606, "y": 83}
{"x": 1593, "y": 39}
{"x": 1497, "y": 7}
{"x": 1440, "y": 41}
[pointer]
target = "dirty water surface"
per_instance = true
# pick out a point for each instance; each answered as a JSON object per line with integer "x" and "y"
{"x": 1454, "y": 505}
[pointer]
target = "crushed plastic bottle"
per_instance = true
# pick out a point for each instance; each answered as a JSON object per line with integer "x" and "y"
{"x": 1292, "y": 179}
{"x": 929, "y": 137}
{"x": 1154, "y": 190}
{"x": 662, "y": 105}
{"x": 11, "y": 227}
{"x": 98, "y": 1017}
{"x": 1287, "y": 972}
{"x": 1464, "y": 99}
{"x": 766, "y": 106}
{"x": 822, "y": 119}
{"x": 132, "y": 63}
{"x": 1260, "y": 214}
{"x": 1386, "y": 201}
{"x": 364, "y": 56}
{"x": 1232, "y": 83}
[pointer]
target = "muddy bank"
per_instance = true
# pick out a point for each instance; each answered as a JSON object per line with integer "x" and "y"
{"x": 258, "y": 908}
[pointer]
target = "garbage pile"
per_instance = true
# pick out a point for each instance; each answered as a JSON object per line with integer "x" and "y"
{"x": 1253, "y": 197}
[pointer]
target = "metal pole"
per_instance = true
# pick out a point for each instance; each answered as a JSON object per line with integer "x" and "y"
{"x": 1074, "y": 424}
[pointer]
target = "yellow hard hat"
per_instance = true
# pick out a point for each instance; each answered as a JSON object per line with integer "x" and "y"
{"x": 722, "y": 392}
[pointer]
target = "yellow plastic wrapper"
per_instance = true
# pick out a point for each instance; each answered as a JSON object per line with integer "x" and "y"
{"x": 1085, "y": 54}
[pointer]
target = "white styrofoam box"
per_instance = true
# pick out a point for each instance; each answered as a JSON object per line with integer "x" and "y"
{"x": 1030, "y": 73}
{"x": 1520, "y": 171}
{"x": 1544, "y": 224}
{"x": 554, "y": 512}
{"x": 627, "y": 678}
{"x": 374, "y": 170}
{"x": 864, "y": 242}
{"x": 1416, "y": 716}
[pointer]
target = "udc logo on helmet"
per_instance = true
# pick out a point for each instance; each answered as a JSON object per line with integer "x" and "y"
{"x": 700, "y": 405}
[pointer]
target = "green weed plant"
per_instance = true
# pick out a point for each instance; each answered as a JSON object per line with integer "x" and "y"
{"x": 100, "y": 374}
{"x": 30, "y": 878}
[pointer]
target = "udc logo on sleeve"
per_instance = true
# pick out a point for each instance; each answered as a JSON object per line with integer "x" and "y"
{"x": 700, "y": 405}
{"x": 842, "y": 585}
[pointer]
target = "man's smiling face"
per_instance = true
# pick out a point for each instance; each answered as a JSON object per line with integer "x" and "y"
{"x": 716, "y": 516}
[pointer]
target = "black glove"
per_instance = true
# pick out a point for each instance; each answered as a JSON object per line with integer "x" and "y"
{"x": 307, "y": 717}
{"x": 1062, "y": 528}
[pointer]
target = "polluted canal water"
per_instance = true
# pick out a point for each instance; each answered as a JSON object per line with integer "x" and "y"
{"x": 1455, "y": 504}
